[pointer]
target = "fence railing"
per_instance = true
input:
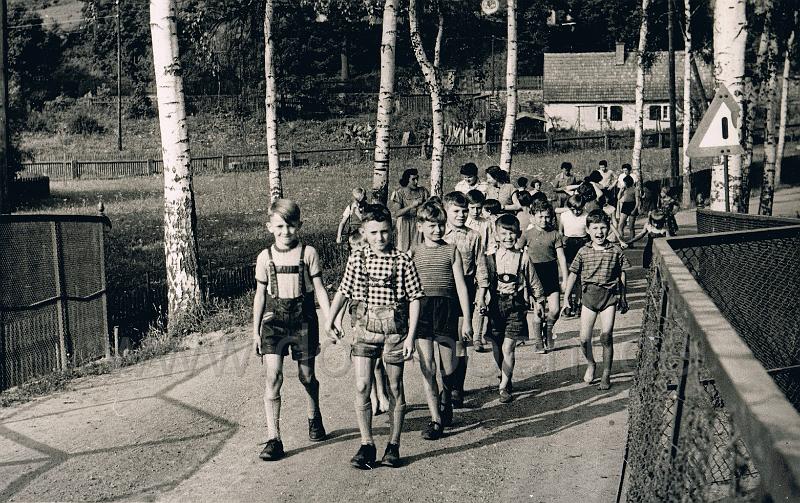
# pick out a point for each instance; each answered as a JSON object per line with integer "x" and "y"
{"x": 74, "y": 169}
{"x": 713, "y": 411}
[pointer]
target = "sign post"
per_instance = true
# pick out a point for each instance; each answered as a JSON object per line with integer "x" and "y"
{"x": 718, "y": 134}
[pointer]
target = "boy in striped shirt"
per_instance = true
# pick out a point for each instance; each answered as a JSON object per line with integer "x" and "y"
{"x": 601, "y": 266}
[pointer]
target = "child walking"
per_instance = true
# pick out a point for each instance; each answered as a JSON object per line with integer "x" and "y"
{"x": 471, "y": 247}
{"x": 545, "y": 248}
{"x": 572, "y": 226}
{"x": 384, "y": 289}
{"x": 441, "y": 271}
{"x": 656, "y": 227}
{"x": 351, "y": 217}
{"x": 601, "y": 266}
{"x": 483, "y": 226}
{"x": 288, "y": 276}
{"x": 515, "y": 288}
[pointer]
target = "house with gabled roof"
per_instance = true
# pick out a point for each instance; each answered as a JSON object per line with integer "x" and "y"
{"x": 595, "y": 91}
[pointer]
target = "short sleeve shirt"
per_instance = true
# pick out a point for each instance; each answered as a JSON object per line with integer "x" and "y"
{"x": 541, "y": 244}
{"x": 473, "y": 252}
{"x": 600, "y": 267}
{"x": 464, "y": 187}
{"x": 503, "y": 193}
{"x": 288, "y": 283}
{"x": 381, "y": 280}
{"x": 516, "y": 262}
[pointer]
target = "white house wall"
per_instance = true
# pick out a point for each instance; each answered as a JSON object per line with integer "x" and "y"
{"x": 583, "y": 117}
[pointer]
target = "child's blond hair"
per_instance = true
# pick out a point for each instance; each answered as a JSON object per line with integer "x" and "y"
{"x": 288, "y": 210}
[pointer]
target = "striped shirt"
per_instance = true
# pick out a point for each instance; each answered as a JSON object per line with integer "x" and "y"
{"x": 380, "y": 280}
{"x": 600, "y": 267}
{"x": 471, "y": 247}
{"x": 435, "y": 268}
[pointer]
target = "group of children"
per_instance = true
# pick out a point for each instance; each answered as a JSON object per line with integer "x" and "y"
{"x": 482, "y": 276}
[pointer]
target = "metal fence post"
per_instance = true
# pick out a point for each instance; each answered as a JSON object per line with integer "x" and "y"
{"x": 74, "y": 165}
{"x": 605, "y": 140}
{"x": 291, "y": 157}
{"x": 58, "y": 271}
{"x": 224, "y": 162}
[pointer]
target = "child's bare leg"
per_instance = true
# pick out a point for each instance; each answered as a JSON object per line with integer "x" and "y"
{"x": 459, "y": 372}
{"x": 553, "y": 312}
{"x": 272, "y": 395}
{"x": 509, "y": 359}
{"x": 427, "y": 364}
{"x": 397, "y": 400}
{"x": 450, "y": 367}
{"x": 309, "y": 381}
{"x": 588, "y": 318}
{"x": 632, "y": 221}
{"x": 379, "y": 396}
{"x": 535, "y": 329}
{"x": 607, "y": 340}
{"x": 497, "y": 354}
{"x": 623, "y": 219}
{"x": 363, "y": 367}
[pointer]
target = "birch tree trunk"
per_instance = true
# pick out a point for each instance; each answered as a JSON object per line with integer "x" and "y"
{"x": 784, "y": 104}
{"x": 730, "y": 38}
{"x": 638, "y": 130}
{"x": 380, "y": 170}
{"x": 437, "y": 48}
{"x": 180, "y": 242}
{"x": 768, "y": 180}
{"x": 271, "y": 107}
{"x": 687, "y": 104}
{"x": 434, "y": 88}
{"x": 507, "y": 141}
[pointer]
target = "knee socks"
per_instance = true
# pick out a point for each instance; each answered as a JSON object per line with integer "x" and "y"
{"x": 272, "y": 407}
{"x": 397, "y": 417}
{"x": 608, "y": 357}
{"x": 364, "y": 419}
{"x": 548, "y": 339}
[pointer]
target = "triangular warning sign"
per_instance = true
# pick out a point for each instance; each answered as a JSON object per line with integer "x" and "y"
{"x": 718, "y": 131}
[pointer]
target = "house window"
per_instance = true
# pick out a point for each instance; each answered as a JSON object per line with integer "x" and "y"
{"x": 655, "y": 112}
{"x": 665, "y": 112}
{"x": 616, "y": 113}
{"x": 602, "y": 113}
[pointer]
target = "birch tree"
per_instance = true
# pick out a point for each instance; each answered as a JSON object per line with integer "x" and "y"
{"x": 271, "y": 106}
{"x": 687, "y": 103}
{"x": 770, "y": 94}
{"x": 433, "y": 82}
{"x": 638, "y": 130}
{"x": 507, "y": 141}
{"x": 380, "y": 172}
{"x": 730, "y": 38}
{"x": 180, "y": 242}
{"x": 788, "y": 53}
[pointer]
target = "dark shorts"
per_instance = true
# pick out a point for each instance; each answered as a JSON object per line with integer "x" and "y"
{"x": 290, "y": 324}
{"x": 438, "y": 318}
{"x": 391, "y": 352}
{"x": 507, "y": 318}
{"x": 572, "y": 245}
{"x": 628, "y": 208}
{"x": 548, "y": 275}
{"x": 598, "y": 298}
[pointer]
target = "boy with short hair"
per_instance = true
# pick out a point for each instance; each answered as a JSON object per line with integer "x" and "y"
{"x": 515, "y": 288}
{"x": 473, "y": 257}
{"x": 441, "y": 271}
{"x": 601, "y": 266}
{"x": 482, "y": 225}
{"x": 288, "y": 276}
{"x": 384, "y": 289}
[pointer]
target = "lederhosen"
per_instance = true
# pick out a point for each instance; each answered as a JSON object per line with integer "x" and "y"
{"x": 379, "y": 325}
{"x": 290, "y": 323}
{"x": 506, "y": 311}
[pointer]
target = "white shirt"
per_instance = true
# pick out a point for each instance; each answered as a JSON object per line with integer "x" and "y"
{"x": 464, "y": 187}
{"x": 620, "y": 180}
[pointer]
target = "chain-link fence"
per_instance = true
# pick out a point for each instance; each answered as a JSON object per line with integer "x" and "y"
{"x": 52, "y": 294}
{"x": 706, "y": 419}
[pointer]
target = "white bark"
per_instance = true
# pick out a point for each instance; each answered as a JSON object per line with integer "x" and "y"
{"x": 687, "y": 104}
{"x": 507, "y": 141}
{"x": 271, "y": 107}
{"x": 784, "y": 105}
{"x": 180, "y": 242}
{"x": 768, "y": 180}
{"x": 434, "y": 88}
{"x": 437, "y": 49}
{"x": 730, "y": 38}
{"x": 380, "y": 172}
{"x": 638, "y": 130}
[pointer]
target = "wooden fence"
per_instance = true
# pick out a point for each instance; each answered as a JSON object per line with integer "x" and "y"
{"x": 74, "y": 169}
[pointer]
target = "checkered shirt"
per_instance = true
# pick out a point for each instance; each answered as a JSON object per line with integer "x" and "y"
{"x": 367, "y": 278}
{"x": 600, "y": 267}
{"x": 470, "y": 245}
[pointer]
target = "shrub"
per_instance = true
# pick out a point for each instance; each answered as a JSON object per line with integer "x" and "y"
{"x": 83, "y": 123}
{"x": 139, "y": 105}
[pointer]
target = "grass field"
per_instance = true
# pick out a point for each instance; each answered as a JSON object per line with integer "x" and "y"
{"x": 231, "y": 207}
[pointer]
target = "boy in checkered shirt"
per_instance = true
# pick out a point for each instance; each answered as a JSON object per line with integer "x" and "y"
{"x": 601, "y": 266}
{"x": 384, "y": 289}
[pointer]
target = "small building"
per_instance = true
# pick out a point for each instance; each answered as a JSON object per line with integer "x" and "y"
{"x": 595, "y": 91}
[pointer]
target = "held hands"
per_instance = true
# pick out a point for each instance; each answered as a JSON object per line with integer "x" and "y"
{"x": 333, "y": 332}
{"x": 623, "y": 244}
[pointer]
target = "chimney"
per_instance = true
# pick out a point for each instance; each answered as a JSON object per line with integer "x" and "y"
{"x": 619, "y": 55}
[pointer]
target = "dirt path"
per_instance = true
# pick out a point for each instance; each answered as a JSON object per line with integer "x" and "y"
{"x": 186, "y": 427}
